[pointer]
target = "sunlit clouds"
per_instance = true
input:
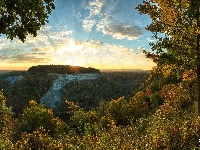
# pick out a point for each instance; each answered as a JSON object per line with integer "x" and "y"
{"x": 111, "y": 20}
{"x": 123, "y": 31}
{"x": 105, "y": 34}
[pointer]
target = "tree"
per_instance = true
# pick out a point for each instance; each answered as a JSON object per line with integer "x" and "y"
{"x": 19, "y": 18}
{"x": 176, "y": 28}
{"x": 36, "y": 116}
{"x": 6, "y": 124}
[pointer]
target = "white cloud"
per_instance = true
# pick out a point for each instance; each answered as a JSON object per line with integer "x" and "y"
{"x": 95, "y": 7}
{"x": 121, "y": 31}
{"x": 56, "y": 46}
{"x": 66, "y": 51}
{"x": 47, "y": 38}
{"x": 115, "y": 18}
{"x": 140, "y": 49}
{"x": 88, "y": 24}
{"x": 150, "y": 40}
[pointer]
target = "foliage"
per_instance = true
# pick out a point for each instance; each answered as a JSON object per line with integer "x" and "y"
{"x": 155, "y": 100}
{"x": 175, "y": 26}
{"x": 4, "y": 84}
{"x": 131, "y": 79}
{"x": 161, "y": 115}
{"x": 30, "y": 87}
{"x": 6, "y": 124}
{"x": 19, "y": 18}
{"x": 39, "y": 139}
{"x": 121, "y": 111}
{"x": 88, "y": 94}
{"x": 82, "y": 121}
{"x": 35, "y": 117}
{"x": 117, "y": 124}
{"x": 140, "y": 103}
{"x": 178, "y": 25}
{"x": 176, "y": 96}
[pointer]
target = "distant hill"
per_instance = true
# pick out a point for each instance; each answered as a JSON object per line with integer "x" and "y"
{"x": 132, "y": 79}
{"x": 124, "y": 70}
{"x": 61, "y": 69}
{"x": 54, "y": 84}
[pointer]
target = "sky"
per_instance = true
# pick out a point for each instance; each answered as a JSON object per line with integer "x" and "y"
{"x": 104, "y": 34}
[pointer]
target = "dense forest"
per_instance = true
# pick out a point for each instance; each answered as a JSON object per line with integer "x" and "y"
{"x": 160, "y": 115}
{"x": 113, "y": 111}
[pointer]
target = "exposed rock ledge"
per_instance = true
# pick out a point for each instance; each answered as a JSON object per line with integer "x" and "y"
{"x": 13, "y": 79}
{"x": 53, "y": 95}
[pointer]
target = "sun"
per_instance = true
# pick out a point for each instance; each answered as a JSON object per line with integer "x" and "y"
{"x": 69, "y": 54}
{"x": 70, "y": 47}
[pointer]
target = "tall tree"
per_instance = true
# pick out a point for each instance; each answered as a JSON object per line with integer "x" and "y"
{"x": 18, "y": 18}
{"x": 176, "y": 28}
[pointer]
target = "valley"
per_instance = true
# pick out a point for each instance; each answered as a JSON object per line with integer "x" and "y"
{"x": 53, "y": 85}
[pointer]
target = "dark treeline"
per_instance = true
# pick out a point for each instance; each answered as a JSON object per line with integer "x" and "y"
{"x": 61, "y": 69}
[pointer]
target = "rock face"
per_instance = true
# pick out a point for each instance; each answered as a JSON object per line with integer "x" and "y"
{"x": 13, "y": 79}
{"x": 53, "y": 95}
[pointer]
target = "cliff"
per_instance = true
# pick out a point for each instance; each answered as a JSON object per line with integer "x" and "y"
{"x": 53, "y": 95}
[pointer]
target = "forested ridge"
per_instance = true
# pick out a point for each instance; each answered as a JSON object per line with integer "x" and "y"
{"x": 60, "y": 69}
{"x": 34, "y": 85}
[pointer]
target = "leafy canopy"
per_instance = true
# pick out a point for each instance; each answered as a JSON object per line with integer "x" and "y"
{"x": 175, "y": 28}
{"x": 18, "y": 18}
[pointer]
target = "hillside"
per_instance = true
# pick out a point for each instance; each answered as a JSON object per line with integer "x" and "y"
{"x": 89, "y": 110}
{"x": 132, "y": 79}
{"x": 52, "y": 85}
{"x": 53, "y": 95}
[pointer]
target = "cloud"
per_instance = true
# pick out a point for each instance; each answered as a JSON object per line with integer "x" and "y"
{"x": 115, "y": 18}
{"x": 122, "y": 31}
{"x": 140, "y": 49}
{"x": 150, "y": 40}
{"x": 46, "y": 39}
{"x": 95, "y": 7}
{"x": 27, "y": 58}
{"x": 56, "y": 46}
{"x": 88, "y": 24}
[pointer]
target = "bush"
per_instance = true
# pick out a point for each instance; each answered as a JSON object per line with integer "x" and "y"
{"x": 140, "y": 104}
{"x": 82, "y": 121}
{"x": 176, "y": 96}
{"x": 175, "y": 124}
{"x": 35, "y": 117}
{"x": 40, "y": 139}
{"x": 156, "y": 100}
{"x": 121, "y": 111}
{"x": 6, "y": 124}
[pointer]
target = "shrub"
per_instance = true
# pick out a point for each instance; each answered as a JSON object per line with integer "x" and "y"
{"x": 40, "y": 139}
{"x": 6, "y": 124}
{"x": 175, "y": 124}
{"x": 36, "y": 116}
{"x": 82, "y": 121}
{"x": 176, "y": 96}
{"x": 156, "y": 100}
{"x": 140, "y": 104}
{"x": 121, "y": 111}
